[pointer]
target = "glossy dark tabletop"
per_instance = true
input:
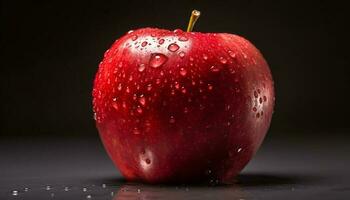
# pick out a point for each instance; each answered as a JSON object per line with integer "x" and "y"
{"x": 66, "y": 168}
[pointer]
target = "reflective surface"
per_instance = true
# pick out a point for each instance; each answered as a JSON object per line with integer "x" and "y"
{"x": 80, "y": 169}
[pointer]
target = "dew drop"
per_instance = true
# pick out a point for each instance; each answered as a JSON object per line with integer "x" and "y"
{"x": 260, "y": 100}
{"x": 134, "y": 37}
{"x": 177, "y": 31}
{"x": 210, "y": 87}
{"x": 254, "y": 109}
{"x": 148, "y": 161}
{"x": 205, "y": 57}
{"x": 142, "y": 100}
{"x": 239, "y": 150}
{"x": 183, "y": 38}
{"x": 185, "y": 110}
{"x": 157, "y": 81}
{"x": 149, "y": 87}
{"x": 48, "y": 187}
{"x": 15, "y": 193}
{"x": 173, "y": 47}
{"x": 214, "y": 69}
{"x": 177, "y": 85}
{"x": 182, "y": 54}
{"x": 183, "y": 72}
{"x": 119, "y": 86}
{"x": 157, "y": 60}
{"x": 136, "y": 131}
{"x": 143, "y": 44}
{"x": 223, "y": 60}
{"x": 183, "y": 90}
{"x": 26, "y": 189}
{"x": 161, "y": 41}
{"x": 231, "y": 54}
{"x": 255, "y": 94}
{"x": 139, "y": 110}
{"x": 172, "y": 119}
{"x": 130, "y": 31}
{"x": 265, "y": 99}
{"x": 141, "y": 67}
{"x": 84, "y": 189}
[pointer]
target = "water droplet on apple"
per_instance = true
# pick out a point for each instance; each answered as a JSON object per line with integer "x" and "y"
{"x": 257, "y": 115}
{"x": 119, "y": 86}
{"x": 148, "y": 161}
{"x": 223, "y": 60}
{"x": 172, "y": 119}
{"x": 183, "y": 38}
{"x": 130, "y": 31}
{"x": 255, "y": 94}
{"x": 183, "y": 72}
{"x": 142, "y": 100}
{"x": 260, "y": 100}
{"x": 239, "y": 150}
{"x": 185, "y": 110}
{"x": 254, "y": 109}
{"x": 210, "y": 87}
{"x": 177, "y": 85}
{"x": 182, "y": 54}
{"x": 183, "y": 90}
{"x": 136, "y": 131}
{"x": 143, "y": 44}
{"x": 157, "y": 60}
{"x": 141, "y": 67}
{"x": 177, "y": 31}
{"x": 149, "y": 87}
{"x": 115, "y": 105}
{"x": 265, "y": 99}
{"x": 161, "y": 41}
{"x": 173, "y": 47}
{"x": 214, "y": 68}
{"x": 139, "y": 110}
{"x": 134, "y": 37}
{"x": 232, "y": 54}
{"x": 205, "y": 57}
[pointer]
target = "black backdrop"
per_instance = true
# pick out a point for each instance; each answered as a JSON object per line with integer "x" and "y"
{"x": 51, "y": 50}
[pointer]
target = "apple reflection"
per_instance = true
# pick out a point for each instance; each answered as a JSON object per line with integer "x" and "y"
{"x": 151, "y": 192}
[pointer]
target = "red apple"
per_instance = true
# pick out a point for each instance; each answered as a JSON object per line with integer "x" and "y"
{"x": 175, "y": 106}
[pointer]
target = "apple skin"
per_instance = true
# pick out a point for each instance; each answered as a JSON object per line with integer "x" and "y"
{"x": 174, "y": 106}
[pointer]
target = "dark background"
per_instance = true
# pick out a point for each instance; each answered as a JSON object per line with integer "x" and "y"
{"x": 51, "y": 50}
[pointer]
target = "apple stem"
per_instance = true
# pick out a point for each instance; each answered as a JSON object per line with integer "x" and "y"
{"x": 194, "y": 16}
